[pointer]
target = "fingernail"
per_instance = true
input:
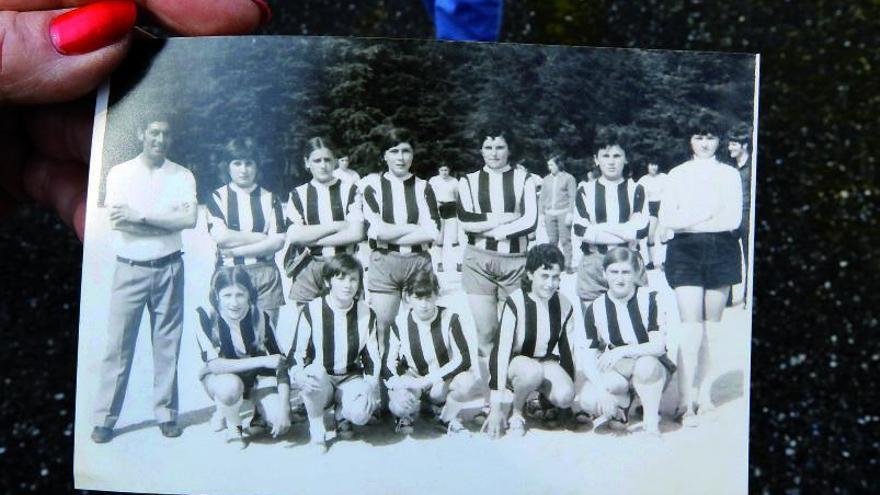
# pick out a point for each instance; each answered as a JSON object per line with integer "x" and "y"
{"x": 265, "y": 11}
{"x": 93, "y": 26}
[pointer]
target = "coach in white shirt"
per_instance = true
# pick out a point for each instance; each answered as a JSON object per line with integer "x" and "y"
{"x": 702, "y": 205}
{"x": 150, "y": 200}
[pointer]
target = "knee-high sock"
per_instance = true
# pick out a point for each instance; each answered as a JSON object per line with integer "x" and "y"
{"x": 232, "y": 412}
{"x": 690, "y": 339}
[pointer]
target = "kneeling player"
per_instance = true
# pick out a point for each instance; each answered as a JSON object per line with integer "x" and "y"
{"x": 532, "y": 350}
{"x": 241, "y": 356}
{"x": 335, "y": 355}
{"x": 428, "y": 357}
{"x": 626, "y": 347}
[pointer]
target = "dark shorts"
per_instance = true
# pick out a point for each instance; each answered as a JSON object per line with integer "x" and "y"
{"x": 653, "y": 208}
{"x": 447, "y": 210}
{"x": 708, "y": 260}
{"x": 491, "y": 274}
{"x": 267, "y": 280}
{"x": 390, "y": 270}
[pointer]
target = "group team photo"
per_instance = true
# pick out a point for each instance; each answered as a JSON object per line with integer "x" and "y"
{"x": 378, "y": 280}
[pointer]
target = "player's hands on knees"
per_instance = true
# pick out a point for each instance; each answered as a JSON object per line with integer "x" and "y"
{"x": 609, "y": 358}
{"x": 53, "y": 56}
{"x": 272, "y": 362}
{"x": 496, "y": 424}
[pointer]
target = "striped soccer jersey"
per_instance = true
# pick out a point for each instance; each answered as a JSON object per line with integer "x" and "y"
{"x": 343, "y": 341}
{"x": 609, "y": 323}
{"x": 534, "y": 329}
{"x": 602, "y": 202}
{"x": 437, "y": 349}
{"x": 400, "y": 202}
{"x": 314, "y": 203}
{"x": 252, "y": 337}
{"x": 487, "y": 191}
{"x": 653, "y": 185}
{"x": 257, "y": 211}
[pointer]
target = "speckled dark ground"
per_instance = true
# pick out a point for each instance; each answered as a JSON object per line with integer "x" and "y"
{"x": 815, "y": 363}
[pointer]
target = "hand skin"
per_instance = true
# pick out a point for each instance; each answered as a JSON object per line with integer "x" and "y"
{"x": 47, "y": 99}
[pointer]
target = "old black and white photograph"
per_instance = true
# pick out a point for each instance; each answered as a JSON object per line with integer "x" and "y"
{"x": 337, "y": 265}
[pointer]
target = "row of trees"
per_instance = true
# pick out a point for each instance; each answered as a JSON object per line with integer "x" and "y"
{"x": 282, "y": 91}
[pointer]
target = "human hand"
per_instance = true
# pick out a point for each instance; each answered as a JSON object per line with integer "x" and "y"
{"x": 610, "y": 357}
{"x": 53, "y": 57}
{"x": 282, "y": 423}
{"x": 272, "y": 361}
{"x": 306, "y": 381}
{"x": 124, "y": 213}
{"x": 495, "y": 424}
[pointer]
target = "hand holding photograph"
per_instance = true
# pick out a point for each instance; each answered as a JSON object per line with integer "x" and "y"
{"x": 332, "y": 265}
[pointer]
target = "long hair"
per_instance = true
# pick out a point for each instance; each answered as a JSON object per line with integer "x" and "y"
{"x": 227, "y": 276}
{"x": 541, "y": 256}
{"x": 239, "y": 149}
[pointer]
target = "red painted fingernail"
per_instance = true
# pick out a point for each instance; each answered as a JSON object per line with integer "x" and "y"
{"x": 93, "y": 26}
{"x": 265, "y": 11}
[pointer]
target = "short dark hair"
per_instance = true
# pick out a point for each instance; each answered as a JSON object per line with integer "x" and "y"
{"x": 421, "y": 284}
{"x": 156, "y": 115}
{"x": 343, "y": 264}
{"x": 541, "y": 256}
{"x": 606, "y": 137}
{"x": 239, "y": 149}
{"x": 494, "y": 131}
{"x": 226, "y": 276}
{"x": 391, "y": 137}
{"x": 740, "y": 133}
{"x": 316, "y": 143}
{"x": 704, "y": 123}
{"x": 625, "y": 255}
{"x": 557, "y": 159}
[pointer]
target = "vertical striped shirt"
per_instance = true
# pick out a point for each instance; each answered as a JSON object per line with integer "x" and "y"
{"x": 256, "y": 211}
{"x": 253, "y": 336}
{"x": 488, "y": 191}
{"x": 601, "y": 202}
{"x": 436, "y": 349}
{"x": 342, "y": 340}
{"x": 534, "y": 329}
{"x": 610, "y": 323}
{"x": 410, "y": 201}
{"x": 314, "y": 203}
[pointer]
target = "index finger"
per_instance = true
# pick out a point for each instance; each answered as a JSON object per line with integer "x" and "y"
{"x": 193, "y": 17}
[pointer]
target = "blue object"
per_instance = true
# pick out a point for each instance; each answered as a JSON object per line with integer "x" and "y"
{"x": 467, "y": 20}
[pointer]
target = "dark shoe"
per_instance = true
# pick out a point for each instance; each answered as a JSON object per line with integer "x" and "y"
{"x": 170, "y": 429}
{"x": 102, "y": 434}
{"x": 458, "y": 267}
{"x": 258, "y": 425}
{"x": 649, "y": 266}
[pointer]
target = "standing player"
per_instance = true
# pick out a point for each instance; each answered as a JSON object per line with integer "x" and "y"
{"x": 738, "y": 140}
{"x": 401, "y": 211}
{"x": 445, "y": 189}
{"x": 627, "y": 351}
{"x": 325, "y": 220}
{"x": 653, "y": 183}
{"x": 558, "y": 192}
{"x": 335, "y": 359}
{"x": 532, "y": 351}
{"x": 150, "y": 200}
{"x": 702, "y": 205}
{"x": 248, "y": 225}
{"x": 498, "y": 208}
{"x": 241, "y": 356}
{"x": 344, "y": 172}
{"x": 428, "y": 356}
{"x": 608, "y": 214}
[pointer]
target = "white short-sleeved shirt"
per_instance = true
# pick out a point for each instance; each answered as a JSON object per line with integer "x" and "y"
{"x": 445, "y": 190}
{"x": 653, "y": 185}
{"x": 150, "y": 191}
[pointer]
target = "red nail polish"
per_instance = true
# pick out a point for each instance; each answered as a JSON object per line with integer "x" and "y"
{"x": 265, "y": 11}
{"x": 93, "y": 26}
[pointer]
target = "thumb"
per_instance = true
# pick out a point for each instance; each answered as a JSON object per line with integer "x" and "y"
{"x": 56, "y": 55}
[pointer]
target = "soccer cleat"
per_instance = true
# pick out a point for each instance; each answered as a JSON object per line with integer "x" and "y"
{"x": 236, "y": 436}
{"x": 454, "y": 427}
{"x": 551, "y": 417}
{"x": 516, "y": 425}
{"x": 258, "y": 424}
{"x": 344, "y": 429}
{"x": 534, "y": 408}
{"x": 404, "y": 426}
{"x": 170, "y": 429}
{"x": 102, "y": 434}
{"x": 649, "y": 266}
